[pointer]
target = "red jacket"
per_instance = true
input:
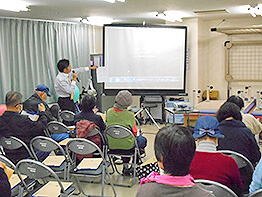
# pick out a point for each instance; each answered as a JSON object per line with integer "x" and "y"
{"x": 83, "y": 128}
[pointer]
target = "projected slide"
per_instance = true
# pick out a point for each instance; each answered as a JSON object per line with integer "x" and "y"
{"x": 145, "y": 58}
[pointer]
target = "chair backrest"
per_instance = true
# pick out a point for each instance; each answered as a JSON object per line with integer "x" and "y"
{"x": 119, "y": 132}
{"x": 257, "y": 193}
{"x": 36, "y": 170}
{"x": 218, "y": 189}
{"x": 240, "y": 159}
{"x": 67, "y": 115}
{"x": 13, "y": 143}
{"x": 82, "y": 146}
{"x": 96, "y": 131}
{"x": 45, "y": 144}
{"x": 7, "y": 162}
{"x": 55, "y": 127}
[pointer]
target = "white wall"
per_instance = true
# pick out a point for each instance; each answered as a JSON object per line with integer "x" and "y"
{"x": 206, "y": 54}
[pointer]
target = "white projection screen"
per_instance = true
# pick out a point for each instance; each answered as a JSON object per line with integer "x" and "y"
{"x": 145, "y": 59}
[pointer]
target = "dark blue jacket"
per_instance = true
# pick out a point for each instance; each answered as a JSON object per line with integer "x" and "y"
{"x": 240, "y": 139}
{"x": 91, "y": 116}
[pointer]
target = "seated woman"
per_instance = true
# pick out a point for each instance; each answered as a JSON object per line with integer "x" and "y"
{"x": 174, "y": 150}
{"x": 88, "y": 103}
{"x": 238, "y": 138}
{"x": 87, "y": 120}
{"x": 210, "y": 164}
{"x": 119, "y": 115}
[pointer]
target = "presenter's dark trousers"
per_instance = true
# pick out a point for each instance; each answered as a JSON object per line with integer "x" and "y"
{"x": 65, "y": 103}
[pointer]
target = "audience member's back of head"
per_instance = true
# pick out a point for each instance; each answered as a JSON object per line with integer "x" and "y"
{"x": 13, "y": 98}
{"x": 123, "y": 99}
{"x": 229, "y": 109}
{"x": 237, "y": 100}
{"x": 175, "y": 147}
{"x": 62, "y": 64}
{"x": 88, "y": 102}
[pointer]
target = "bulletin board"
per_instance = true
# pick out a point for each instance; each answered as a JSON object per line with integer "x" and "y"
{"x": 243, "y": 61}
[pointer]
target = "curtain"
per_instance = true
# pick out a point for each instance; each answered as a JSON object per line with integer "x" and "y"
{"x": 30, "y": 50}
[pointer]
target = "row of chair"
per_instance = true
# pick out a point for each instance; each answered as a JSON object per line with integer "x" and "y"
{"x": 74, "y": 146}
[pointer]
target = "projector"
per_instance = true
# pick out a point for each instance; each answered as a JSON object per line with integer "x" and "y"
{"x": 183, "y": 106}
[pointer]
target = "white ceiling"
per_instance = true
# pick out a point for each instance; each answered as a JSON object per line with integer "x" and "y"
{"x": 130, "y": 11}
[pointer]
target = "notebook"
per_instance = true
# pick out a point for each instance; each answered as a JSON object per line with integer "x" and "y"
{"x": 52, "y": 189}
{"x": 89, "y": 164}
{"x": 54, "y": 160}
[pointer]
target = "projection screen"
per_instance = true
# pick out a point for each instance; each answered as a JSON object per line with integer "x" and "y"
{"x": 145, "y": 59}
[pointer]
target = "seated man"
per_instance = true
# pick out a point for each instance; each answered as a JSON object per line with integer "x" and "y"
{"x": 249, "y": 120}
{"x": 31, "y": 107}
{"x": 174, "y": 150}
{"x": 40, "y": 96}
{"x": 210, "y": 164}
{"x": 119, "y": 115}
{"x": 20, "y": 126}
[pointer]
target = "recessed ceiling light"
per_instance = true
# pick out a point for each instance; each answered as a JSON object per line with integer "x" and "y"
{"x": 208, "y": 12}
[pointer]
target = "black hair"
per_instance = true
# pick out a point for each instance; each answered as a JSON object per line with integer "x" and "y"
{"x": 88, "y": 102}
{"x": 13, "y": 98}
{"x": 227, "y": 110}
{"x": 237, "y": 100}
{"x": 175, "y": 147}
{"x": 62, "y": 64}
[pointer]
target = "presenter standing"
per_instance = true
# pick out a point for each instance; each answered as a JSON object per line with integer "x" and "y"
{"x": 65, "y": 83}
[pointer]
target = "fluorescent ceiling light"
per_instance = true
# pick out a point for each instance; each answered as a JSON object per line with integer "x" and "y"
{"x": 110, "y": 1}
{"x": 15, "y": 6}
{"x": 113, "y": 1}
{"x": 97, "y": 20}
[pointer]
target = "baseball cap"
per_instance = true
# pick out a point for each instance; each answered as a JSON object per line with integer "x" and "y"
{"x": 43, "y": 88}
{"x": 207, "y": 125}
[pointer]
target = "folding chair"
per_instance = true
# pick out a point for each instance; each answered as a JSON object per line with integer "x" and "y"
{"x": 118, "y": 133}
{"x": 218, "y": 189}
{"x": 67, "y": 115}
{"x": 18, "y": 184}
{"x": 46, "y": 144}
{"x": 14, "y": 143}
{"x": 55, "y": 127}
{"x": 257, "y": 193}
{"x": 245, "y": 167}
{"x": 38, "y": 171}
{"x": 68, "y": 118}
{"x": 83, "y": 146}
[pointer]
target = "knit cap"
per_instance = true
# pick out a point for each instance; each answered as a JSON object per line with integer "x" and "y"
{"x": 123, "y": 99}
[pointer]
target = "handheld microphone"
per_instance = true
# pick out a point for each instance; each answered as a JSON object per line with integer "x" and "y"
{"x": 77, "y": 77}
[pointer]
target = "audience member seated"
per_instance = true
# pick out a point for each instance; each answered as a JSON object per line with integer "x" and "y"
{"x": 256, "y": 183}
{"x": 88, "y": 104}
{"x": 5, "y": 189}
{"x": 119, "y": 115}
{"x": 31, "y": 107}
{"x": 40, "y": 96}
{"x": 250, "y": 121}
{"x": 238, "y": 137}
{"x": 174, "y": 150}
{"x": 20, "y": 126}
{"x": 87, "y": 120}
{"x": 210, "y": 164}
